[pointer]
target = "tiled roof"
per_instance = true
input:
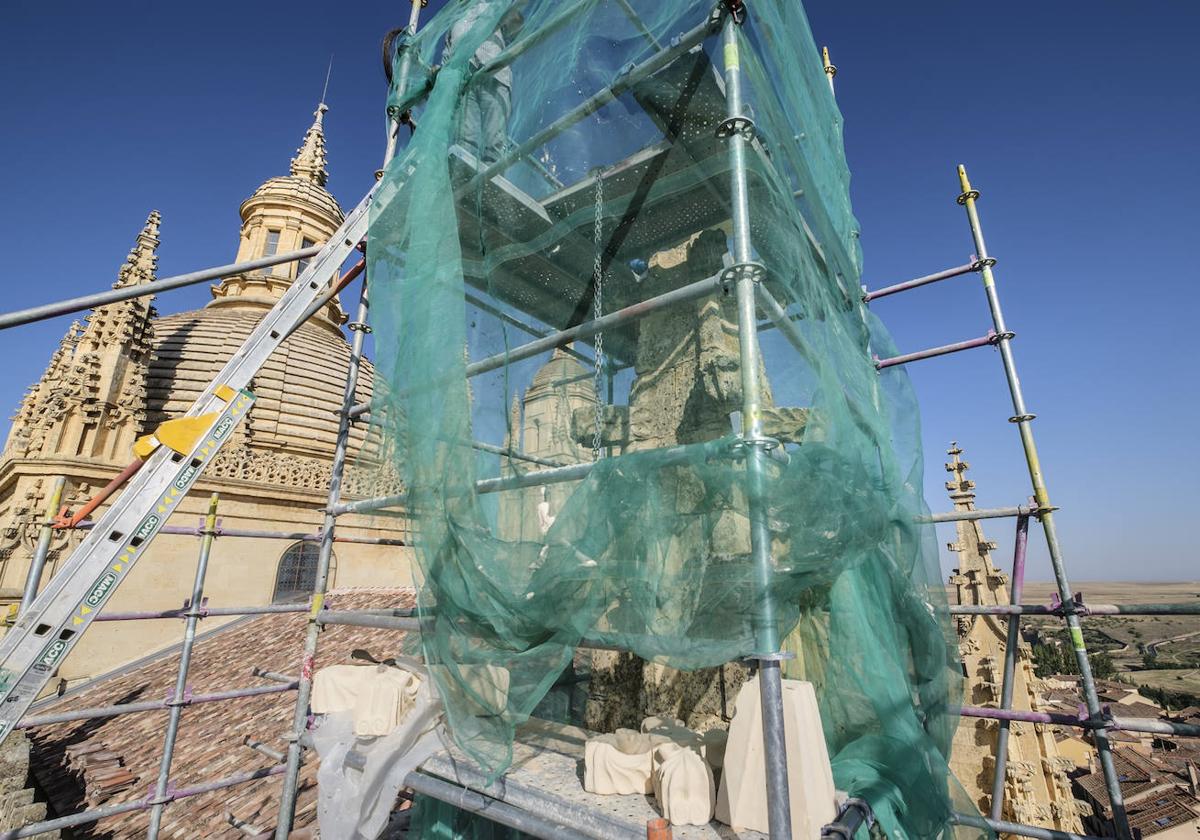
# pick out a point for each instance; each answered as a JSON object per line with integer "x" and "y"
{"x": 1137, "y": 709}
{"x": 1136, "y": 773}
{"x": 85, "y": 763}
{"x": 1161, "y": 813}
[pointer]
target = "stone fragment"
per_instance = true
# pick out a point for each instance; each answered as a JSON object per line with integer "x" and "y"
{"x": 683, "y": 785}
{"x": 621, "y": 762}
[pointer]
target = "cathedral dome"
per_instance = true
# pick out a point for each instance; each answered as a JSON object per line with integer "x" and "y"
{"x": 295, "y": 189}
{"x": 289, "y": 436}
{"x": 562, "y": 371}
{"x": 299, "y": 389}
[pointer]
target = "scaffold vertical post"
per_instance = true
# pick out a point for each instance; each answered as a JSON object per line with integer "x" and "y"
{"x": 185, "y": 661}
{"x": 287, "y": 799}
{"x": 1010, "y": 665}
{"x": 37, "y": 565}
{"x": 747, "y": 275}
{"x": 1023, "y": 420}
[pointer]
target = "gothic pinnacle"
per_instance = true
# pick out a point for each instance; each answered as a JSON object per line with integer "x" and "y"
{"x": 309, "y": 161}
{"x": 142, "y": 263}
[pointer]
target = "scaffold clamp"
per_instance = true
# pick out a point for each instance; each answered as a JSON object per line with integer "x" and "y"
{"x": 754, "y": 271}
{"x": 776, "y": 656}
{"x": 742, "y": 126}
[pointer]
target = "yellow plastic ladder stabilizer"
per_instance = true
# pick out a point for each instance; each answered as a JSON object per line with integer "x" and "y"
{"x": 183, "y": 433}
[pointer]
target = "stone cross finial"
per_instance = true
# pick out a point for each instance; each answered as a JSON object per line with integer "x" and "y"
{"x": 309, "y": 161}
{"x": 960, "y": 486}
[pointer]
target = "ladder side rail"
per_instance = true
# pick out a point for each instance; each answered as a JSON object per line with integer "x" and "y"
{"x": 28, "y": 658}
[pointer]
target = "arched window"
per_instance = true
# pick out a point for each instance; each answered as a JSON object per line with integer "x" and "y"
{"x": 297, "y": 573}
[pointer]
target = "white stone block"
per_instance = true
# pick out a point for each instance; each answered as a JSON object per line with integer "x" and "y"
{"x": 742, "y": 796}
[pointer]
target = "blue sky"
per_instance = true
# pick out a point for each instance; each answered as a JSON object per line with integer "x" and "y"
{"x": 1078, "y": 121}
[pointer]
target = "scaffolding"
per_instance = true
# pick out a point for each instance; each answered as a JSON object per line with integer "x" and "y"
{"x": 516, "y": 802}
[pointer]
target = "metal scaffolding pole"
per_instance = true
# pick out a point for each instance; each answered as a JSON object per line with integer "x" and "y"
{"x": 983, "y": 513}
{"x": 185, "y": 661}
{"x": 1023, "y": 419}
{"x": 1010, "y": 666}
{"x": 202, "y": 611}
{"x": 613, "y": 320}
{"x": 936, "y": 277}
{"x": 1129, "y": 724}
{"x": 737, "y": 129}
{"x": 287, "y": 799}
{"x": 84, "y": 817}
{"x": 33, "y": 579}
{"x": 1083, "y": 609}
{"x": 1020, "y": 829}
{"x": 79, "y": 304}
{"x": 933, "y": 352}
{"x": 262, "y": 534}
{"x": 150, "y": 705}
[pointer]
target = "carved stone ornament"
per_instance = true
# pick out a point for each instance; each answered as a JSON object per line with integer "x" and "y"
{"x": 620, "y": 763}
{"x": 683, "y": 785}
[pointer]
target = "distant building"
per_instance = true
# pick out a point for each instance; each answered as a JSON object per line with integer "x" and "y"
{"x": 122, "y": 371}
{"x": 1037, "y": 789}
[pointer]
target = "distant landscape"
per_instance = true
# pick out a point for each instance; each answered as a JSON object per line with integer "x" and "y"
{"x": 1160, "y": 653}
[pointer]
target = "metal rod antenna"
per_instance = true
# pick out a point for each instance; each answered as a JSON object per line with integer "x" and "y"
{"x": 287, "y": 800}
{"x": 1010, "y": 666}
{"x": 33, "y": 579}
{"x": 737, "y": 129}
{"x": 1023, "y": 419}
{"x": 79, "y": 304}
{"x": 185, "y": 661}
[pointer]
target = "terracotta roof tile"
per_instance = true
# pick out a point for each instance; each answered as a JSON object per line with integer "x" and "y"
{"x": 85, "y": 763}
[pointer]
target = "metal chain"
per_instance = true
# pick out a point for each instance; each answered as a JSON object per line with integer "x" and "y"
{"x": 598, "y": 309}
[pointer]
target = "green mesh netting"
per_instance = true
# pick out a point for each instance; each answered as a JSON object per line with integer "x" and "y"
{"x": 563, "y": 142}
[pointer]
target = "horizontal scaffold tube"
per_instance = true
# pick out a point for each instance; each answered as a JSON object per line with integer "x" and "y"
{"x": 1079, "y": 609}
{"x": 203, "y": 612}
{"x": 957, "y": 271}
{"x": 985, "y": 513}
{"x": 934, "y": 352}
{"x": 150, "y": 706}
{"x": 533, "y": 478}
{"x": 627, "y": 315}
{"x": 84, "y": 817}
{"x": 252, "y": 533}
{"x": 494, "y": 810}
{"x": 1020, "y": 829}
{"x": 352, "y": 618}
{"x": 1157, "y": 727}
{"x": 79, "y": 304}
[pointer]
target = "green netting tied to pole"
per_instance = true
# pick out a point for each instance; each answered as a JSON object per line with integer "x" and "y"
{"x": 572, "y": 161}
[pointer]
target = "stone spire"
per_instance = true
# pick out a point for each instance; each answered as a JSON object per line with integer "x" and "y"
{"x": 91, "y": 400}
{"x": 142, "y": 263}
{"x": 1037, "y": 789}
{"x": 309, "y": 161}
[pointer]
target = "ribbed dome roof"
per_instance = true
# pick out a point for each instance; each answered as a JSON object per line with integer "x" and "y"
{"x": 299, "y": 389}
{"x": 563, "y": 370}
{"x": 293, "y": 188}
